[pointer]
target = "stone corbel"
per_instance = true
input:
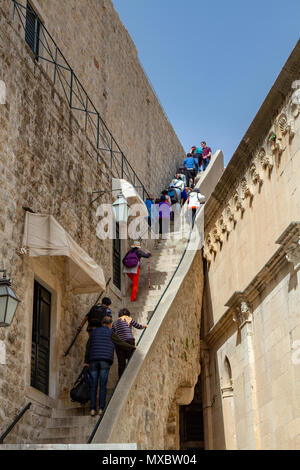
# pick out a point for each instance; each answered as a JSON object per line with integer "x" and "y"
{"x": 184, "y": 395}
{"x": 285, "y": 125}
{"x": 266, "y": 159}
{"x": 241, "y": 308}
{"x": 230, "y": 213}
{"x": 210, "y": 244}
{"x": 294, "y": 102}
{"x": 247, "y": 188}
{"x": 224, "y": 223}
{"x": 217, "y": 234}
{"x": 238, "y": 200}
{"x": 207, "y": 254}
{"x": 290, "y": 242}
{"x": 275, "y": 145}
{"x": 255, "y": 171}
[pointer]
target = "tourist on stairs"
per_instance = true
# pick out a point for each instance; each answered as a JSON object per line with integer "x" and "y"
{"x": 191, "y": 166}
{"x": 131, "y": 262}
{"x": 99, "y": 356}
{"x": 123, "y": 328}
{"x": 194, "y": 202}
{"x": 164, "y": 211}
{"x": 206, "y": 155}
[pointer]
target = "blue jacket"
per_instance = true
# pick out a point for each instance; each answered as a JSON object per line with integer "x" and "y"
{"x": 102, "y": 347}
{"x": 191, "y": 163}
{"x": 149, "y": 204}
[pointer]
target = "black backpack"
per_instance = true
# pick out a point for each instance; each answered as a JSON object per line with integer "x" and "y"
{"x": 96, "y": 315}
{"x": 81, "y": 390}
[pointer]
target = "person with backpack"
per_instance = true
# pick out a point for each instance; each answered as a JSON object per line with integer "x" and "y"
{"x": 149, "y": 203}
{"x": 164, "y": 211}
{"x": 96, "y": 314}
{"x": 206, "y": 155}
{"x": 191, "y": 166}
{"x": 197, "y": 153}
{"x": 194, "y": 202}
{"x": 123, "y": 328}
{"x": 131, "y": 262}
{"x": 99, "y": 356}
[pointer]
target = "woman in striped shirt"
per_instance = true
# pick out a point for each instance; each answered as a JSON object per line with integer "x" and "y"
{"x": 123, "y": 328}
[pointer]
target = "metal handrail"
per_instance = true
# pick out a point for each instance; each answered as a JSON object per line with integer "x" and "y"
{"x": 15, "y": 421}
{"x": 46, "y": 49}
{"x": 140, "y": 338}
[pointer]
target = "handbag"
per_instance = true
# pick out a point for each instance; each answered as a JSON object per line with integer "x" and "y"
{"x": 81, "y": 389}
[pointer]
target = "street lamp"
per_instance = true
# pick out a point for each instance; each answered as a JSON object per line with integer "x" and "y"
{"x": 120, "y": 208}
{"x": 8, "y": 301}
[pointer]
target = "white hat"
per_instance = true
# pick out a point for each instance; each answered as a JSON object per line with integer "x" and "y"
{"x": 136, "y": 245}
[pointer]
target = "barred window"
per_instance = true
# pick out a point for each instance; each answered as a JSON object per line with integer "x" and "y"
{"x": 32, "y": 30}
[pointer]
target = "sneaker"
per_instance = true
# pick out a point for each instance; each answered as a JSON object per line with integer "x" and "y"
{"x": 93, "y": 412}
{"x": 100, "y": 412}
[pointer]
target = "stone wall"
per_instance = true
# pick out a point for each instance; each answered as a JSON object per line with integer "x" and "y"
{"x": 251, "y": 324}
{"x": 102, "y": 54}
{"x": 48, "y": 163}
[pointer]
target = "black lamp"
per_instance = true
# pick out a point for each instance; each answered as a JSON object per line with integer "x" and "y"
{"x": 8, "y": 301}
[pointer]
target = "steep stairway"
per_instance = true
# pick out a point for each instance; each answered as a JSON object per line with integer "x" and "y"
{"x": 72, "y": 424}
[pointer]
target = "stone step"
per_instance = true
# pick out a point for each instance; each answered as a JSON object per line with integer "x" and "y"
{"x": 68, "y": 433}
{"x": 71, "y": 421}
{"x": 65, "y": 440}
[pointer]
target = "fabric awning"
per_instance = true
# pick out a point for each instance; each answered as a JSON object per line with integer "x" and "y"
{"x": 130, "y": 194}
{"x": 44, "y": 236}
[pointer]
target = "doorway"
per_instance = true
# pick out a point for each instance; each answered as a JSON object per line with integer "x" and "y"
{"x": 40, "y": 348}
{"x": 191, "y": 422}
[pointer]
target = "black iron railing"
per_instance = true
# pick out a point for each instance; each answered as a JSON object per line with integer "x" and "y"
{"x": 46, "y": 51}
{"x": 15, "y": 421}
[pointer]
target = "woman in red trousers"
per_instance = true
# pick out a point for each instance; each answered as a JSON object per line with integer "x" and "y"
{"x": 131, "y": 263}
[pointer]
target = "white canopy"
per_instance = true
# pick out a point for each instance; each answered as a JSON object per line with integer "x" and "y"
{"x": 44, "y": 236}
{"x": 130, "y": 194}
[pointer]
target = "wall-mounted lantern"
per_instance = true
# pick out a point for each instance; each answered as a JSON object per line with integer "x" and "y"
{"x": 120, "y": 208}
{"x": 8, "y": 301}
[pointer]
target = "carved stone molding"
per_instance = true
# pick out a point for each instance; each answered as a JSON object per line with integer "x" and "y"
{"x": 241, "y": 308}
{"x": 285, "y": 124}
{"x": 238, "y": 200}
{"x": 294, "y": 102}
{"x": 275, "y": 145}
{"x": 255, "y": 171}
{"x": 290, "y": 242}
{"x": 247, "y": 187}
{"x": 265, "y": 159}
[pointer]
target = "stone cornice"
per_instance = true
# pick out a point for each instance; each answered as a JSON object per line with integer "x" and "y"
{"x": 240, "y": 303}
{"x": 257, "y": 140}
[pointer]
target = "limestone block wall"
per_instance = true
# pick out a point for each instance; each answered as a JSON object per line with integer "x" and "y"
{"x": 251, "y": 319}
{"x": 47, "y": 163}
{"x": 102, "y": 54}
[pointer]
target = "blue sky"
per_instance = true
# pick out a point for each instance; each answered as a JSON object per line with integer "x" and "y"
{"x": 212, "y": 63}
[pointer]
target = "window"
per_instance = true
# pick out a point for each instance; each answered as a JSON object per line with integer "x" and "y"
{"x": 32, "y": 30}
{"x": 117, "y": 259}
{"x": 40, "y": 350}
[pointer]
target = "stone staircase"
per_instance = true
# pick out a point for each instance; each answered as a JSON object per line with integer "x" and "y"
{"x": 72, "y": 424}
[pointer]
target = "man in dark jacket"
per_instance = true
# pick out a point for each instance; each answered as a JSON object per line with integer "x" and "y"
{"x": 99, "y": 356}
{"x": 95, "y": 316}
